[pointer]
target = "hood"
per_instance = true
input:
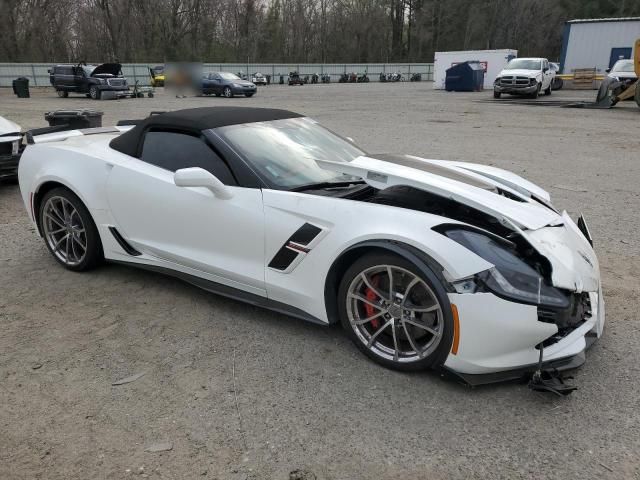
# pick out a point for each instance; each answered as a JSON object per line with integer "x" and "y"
{"x": 625, "y": 75}
{"x": 7, "y": 126}
{"x": 482, "y": 191}
{"x": 241, "y": 82}
{"x": 108, "y": 69}
{"x": 520, "y": 73}
{"x": 525, "y": 208}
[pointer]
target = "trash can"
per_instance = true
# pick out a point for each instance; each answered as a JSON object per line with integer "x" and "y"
{"x": 21, "y": 87}
{"x": 75, "y": 119}
{"x": 465, "y": 77}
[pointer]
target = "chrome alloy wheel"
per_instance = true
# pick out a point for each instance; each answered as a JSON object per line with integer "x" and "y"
{"x": 394, "y": 313}
{"x": 64, "y": 231}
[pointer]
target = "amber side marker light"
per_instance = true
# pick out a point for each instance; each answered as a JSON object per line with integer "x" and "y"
{"x": 456, "y": 330}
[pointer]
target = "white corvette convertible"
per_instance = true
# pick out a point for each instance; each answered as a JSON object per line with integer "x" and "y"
{"x": 455, "y": 266}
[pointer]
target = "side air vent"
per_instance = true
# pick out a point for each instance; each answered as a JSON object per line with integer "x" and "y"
{"x": 294, "y": 246}
{"x": 123, "y": 243}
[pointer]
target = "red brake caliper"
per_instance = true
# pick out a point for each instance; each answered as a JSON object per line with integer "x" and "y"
{"x": 371, "y": 296}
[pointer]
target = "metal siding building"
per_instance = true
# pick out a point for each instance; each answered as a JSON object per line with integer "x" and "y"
{"x": 598, "y": 42}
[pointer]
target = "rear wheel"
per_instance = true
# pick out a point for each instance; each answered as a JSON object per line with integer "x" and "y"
{"x": 637, "y": 95}
{"x": 63, "y": 94}
{"x": 69, "y": 232}
{"x": 548, "y": 90}
{"x": 396, "y": 313}
{"x": 248, "y": 95}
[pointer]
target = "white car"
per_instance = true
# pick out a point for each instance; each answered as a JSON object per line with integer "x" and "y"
{"x": 259, "y": 79}
{"x": 525, "y": 76}
{"x": 622, "y": 70}
{"x": 456, "y": 266}
{"x": 10, "y": 148}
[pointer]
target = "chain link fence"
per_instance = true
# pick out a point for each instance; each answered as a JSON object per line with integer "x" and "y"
{"x": 38, "y": 74}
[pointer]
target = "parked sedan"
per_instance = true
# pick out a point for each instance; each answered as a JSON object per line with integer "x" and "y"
{"x": 461, "y": 267}
{"x": 227, "y": 84}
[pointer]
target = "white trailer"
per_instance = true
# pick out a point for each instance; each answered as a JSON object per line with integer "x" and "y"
{"x": 492, "y": 60}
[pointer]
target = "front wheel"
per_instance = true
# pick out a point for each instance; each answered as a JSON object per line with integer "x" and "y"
{"x": 395, "y": 312}
{"x": 249, "y": 95}
{"x": 227, "y": 92}
{"x": 69, "y": 232}
{"x": 94, "y": 92}
{"x": 63, "y": 94}
{"x": 537, "y": 92}
{"x": 496, "y": 94}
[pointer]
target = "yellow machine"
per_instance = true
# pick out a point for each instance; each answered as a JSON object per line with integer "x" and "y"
{"x": 612, "y": 90}
{"x": 157, "y": 76}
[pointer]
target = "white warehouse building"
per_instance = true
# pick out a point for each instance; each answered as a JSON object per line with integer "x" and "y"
{"x": 598, "y": 42}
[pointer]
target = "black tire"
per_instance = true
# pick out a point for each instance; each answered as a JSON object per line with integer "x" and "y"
{"x": 217, "y": 94}
{"x": 94, "y": 255}
{"x": 438, "y": 352}
{"x": 226, "y": 91}
{"x": 496, "y": 94}
{"x": 537, "y": 92}
{"x": 637, "y": 95}
{"x": 63, "y": 94}
{"x": 548, "y": 90}
{"x": 248, "y": 95}
{"x": 150, "y": 95}
{"x": 94, "y": 92}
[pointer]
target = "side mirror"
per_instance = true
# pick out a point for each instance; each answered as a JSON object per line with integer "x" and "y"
{"x": 350, "y": 139}
{"x": 199, "y": 177}
{"x": 545, "y": 69}
{"x": 608, "y": 70}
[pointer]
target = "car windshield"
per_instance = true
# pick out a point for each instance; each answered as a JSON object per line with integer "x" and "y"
{"x": 623, "y": 66}
{"x": 284, "y": 151}
{"x": 523, "y": 64}
{"x": 229, "y": 76}
{"x": 158, "y": 70}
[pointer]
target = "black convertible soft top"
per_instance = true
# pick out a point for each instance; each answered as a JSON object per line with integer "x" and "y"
{"x": 195, "y": 120}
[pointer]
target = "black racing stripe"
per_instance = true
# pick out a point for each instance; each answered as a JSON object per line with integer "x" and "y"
{"x": 305, "y": 234}
{"x": 283, "y": 258}
{"x": 123, "y": 243}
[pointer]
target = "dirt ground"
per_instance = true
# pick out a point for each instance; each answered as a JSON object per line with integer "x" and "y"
{"x": 241, "y": 393}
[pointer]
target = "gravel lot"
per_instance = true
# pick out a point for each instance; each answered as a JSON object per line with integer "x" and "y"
{"x": 242, "y": 393}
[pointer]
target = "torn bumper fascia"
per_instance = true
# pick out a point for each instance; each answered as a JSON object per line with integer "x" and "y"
{"x": 498, "y": 338}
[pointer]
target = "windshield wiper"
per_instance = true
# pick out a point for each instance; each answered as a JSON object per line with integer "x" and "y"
{"x": 323, "y": 185}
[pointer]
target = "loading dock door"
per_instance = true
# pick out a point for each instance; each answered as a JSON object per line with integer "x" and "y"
{"x": 619, "y": 54}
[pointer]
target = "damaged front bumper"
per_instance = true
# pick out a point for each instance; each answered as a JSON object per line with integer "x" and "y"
{"x": 500, "y": 339}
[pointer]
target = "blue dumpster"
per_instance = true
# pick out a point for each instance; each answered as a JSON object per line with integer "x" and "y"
{"x": 465, "y": 77}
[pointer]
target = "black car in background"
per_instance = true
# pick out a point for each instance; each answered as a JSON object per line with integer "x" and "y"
{"x": 91, "y": 80}
{"x": 226, "y": 84}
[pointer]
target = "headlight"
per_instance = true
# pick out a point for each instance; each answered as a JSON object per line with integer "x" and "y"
{"x": 532, "y": 81}
{"x": 496, "y": 81}
{"x": 15, "y": 147}
{"x": 511, "y": 277}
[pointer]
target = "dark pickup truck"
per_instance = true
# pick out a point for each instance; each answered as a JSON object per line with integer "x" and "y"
{"x": 91, "y": 80}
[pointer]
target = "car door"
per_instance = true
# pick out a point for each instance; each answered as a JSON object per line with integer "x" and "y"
{"x": 188, "y": 227}
{"x": 216, "y": 83}
{"x": 547, "y": 75}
